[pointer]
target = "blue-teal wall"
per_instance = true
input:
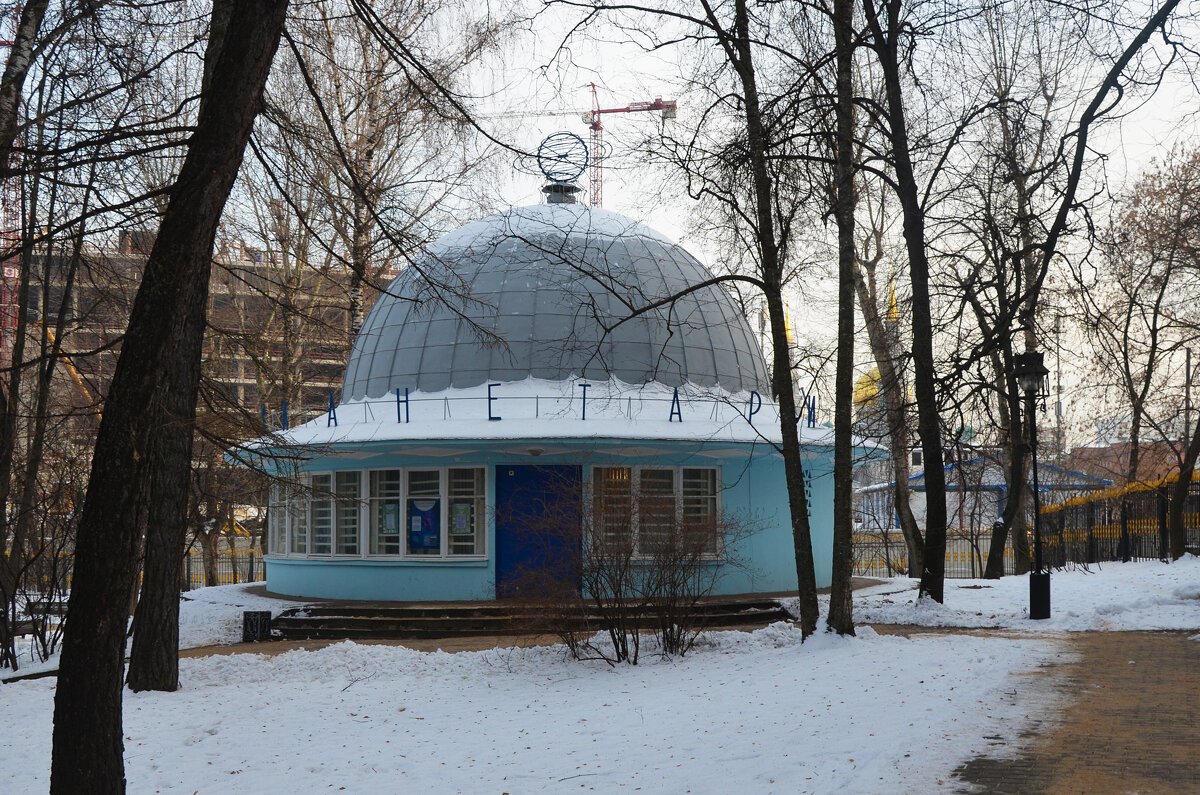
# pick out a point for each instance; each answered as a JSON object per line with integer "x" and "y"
{"x": 754, "y": 495}
{"x": 382, "y": 580}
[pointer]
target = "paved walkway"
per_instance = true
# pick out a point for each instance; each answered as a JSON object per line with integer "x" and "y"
{"x": 1129, "y": 723}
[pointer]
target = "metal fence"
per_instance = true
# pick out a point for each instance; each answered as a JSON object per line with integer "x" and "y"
{"x": 233, "y": 566}
{"x": 1129, "y": 523}
{"x": 885, "y": 555}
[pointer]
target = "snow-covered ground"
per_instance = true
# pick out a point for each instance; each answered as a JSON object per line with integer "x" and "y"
{"x": 207, "y": 617}
{"x": 213, "y": 616}
{"x": 750, "y": 712}
{"x": 1107, "y": 597}
{"x": 755, "y": 713}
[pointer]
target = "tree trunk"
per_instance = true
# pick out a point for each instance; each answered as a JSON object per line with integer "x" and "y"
{"x": 1027, "y": 267}
{"x": 1012, "y": 518}
{"x": 739, "y": 52}
{"x": 1176, "y": 529}
{"x": 12, "y": 563}
{"x": 154, "y": 657}
{"x": 159, "y": 361}
{"x": 841, "y": 603}
{"x": 208, "y": 545}
{"x": 884, "y": 349}
{"x": 886, "y": 45}
{"x": 20, "y": 58}
{"x": 23, "y": 523}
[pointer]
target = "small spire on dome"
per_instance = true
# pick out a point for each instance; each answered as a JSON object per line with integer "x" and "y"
{"x": 560, "y": 193}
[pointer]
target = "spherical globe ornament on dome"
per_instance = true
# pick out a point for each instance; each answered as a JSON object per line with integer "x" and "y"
{"x": 562, "y": 157}
{"x": 554, "y": 292}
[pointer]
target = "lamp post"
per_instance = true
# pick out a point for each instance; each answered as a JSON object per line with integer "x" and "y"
{"x": 1030, "y": 373}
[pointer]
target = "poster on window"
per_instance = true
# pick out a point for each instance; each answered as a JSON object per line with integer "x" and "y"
{"x": 390, "y": 519}
{"x": 424, "y": 527}
{"x": 460, "y": 519}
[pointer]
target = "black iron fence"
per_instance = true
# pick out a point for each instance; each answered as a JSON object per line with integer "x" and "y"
{"x": 1127, "y": 523}
{"x": 233, "y": 566}
{"x": 52, "y": 573}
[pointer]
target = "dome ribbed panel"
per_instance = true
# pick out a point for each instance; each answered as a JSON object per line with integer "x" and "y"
{"x": 545, "y": 288}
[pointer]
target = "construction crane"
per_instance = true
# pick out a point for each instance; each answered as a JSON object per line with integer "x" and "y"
{"x": 592, "y": 120}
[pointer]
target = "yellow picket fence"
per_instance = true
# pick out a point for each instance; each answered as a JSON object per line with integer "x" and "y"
{"x": 233, "y": 566}
{"x": 879, "y": 555}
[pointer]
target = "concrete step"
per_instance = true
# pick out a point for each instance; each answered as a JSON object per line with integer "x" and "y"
{"x": 499, "y": 609}
{"x": 450, "y": 621}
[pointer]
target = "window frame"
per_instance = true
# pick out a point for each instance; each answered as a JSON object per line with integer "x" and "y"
{"x": 355, "y": 505}
{"x": 281, "y": 517}
{"x": 635, "y": 471}
{"x": 278, "y": 536}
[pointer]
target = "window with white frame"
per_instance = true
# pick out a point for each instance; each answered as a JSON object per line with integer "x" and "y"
{"x": 385, "y": 512}
{"x": 657, "y": 509}
{"x": 466, "y": 505}
{"x": 287, "y": 518}
{"x": 297, "y": 520}
{"x": 277, "y": 520}
{"x": 321, "y": 515}
{"x": 423, "y": 514}
{"x": 348, "y": 510}
{"x": 699, "y": 512}
{"x": 420, "y": 513}
{"x": 612, "y": 507}
{"x": 649, "y": 509}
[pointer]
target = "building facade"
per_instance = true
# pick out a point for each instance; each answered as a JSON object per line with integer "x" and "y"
{"x": 539, "y": 380}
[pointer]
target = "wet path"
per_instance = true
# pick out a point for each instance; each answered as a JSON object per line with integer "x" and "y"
{"x": 1129, "y": 722}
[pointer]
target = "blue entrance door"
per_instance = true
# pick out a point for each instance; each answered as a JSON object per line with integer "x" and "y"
{"x": 538, "y": 526}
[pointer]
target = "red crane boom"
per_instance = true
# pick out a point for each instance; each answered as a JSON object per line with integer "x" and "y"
{"x": 592, "y": 119}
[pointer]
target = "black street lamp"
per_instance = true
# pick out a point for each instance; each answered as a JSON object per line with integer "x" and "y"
{"x": 1030, "y": 372}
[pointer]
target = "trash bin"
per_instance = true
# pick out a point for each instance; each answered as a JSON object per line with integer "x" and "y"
{"x": 256, "y": 626}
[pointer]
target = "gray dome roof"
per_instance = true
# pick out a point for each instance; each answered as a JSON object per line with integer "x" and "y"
{"x": 531, "y": 292}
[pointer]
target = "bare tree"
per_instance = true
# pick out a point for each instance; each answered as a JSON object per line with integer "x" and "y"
{"x": 841, "y": 609}
{"x": 919, "y": 147}
{"x": 881, "y": 315}
{"x": 338, "y": 88}
{"x": 144, "y": 445}
{"x": 62, "y": 182}
{"x": 368, "y": 125}
{"x": 1137, "y": 308}
{"x": 20, "y": 59}
{"x": 747, "y": 162}
{"x": 1016, "y": 173}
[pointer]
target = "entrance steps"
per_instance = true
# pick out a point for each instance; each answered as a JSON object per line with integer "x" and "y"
{"x": 361, "y": 621}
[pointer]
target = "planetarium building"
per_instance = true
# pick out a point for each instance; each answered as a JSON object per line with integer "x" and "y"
{"x": 535, "y": 379}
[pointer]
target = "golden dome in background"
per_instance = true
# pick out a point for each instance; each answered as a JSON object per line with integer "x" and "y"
{"x": 866, "y": 389}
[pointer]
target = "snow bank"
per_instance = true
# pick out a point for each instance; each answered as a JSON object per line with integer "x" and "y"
{"x": 745, "y": 712}
{"x": 1148, "y": 595}
{"x": 207, "y": 617}
{"x": 212, "y": 616}
{"x": 754, "y": 712}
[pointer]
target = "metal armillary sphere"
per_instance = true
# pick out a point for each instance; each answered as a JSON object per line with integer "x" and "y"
{"x": 563, "y": 157}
